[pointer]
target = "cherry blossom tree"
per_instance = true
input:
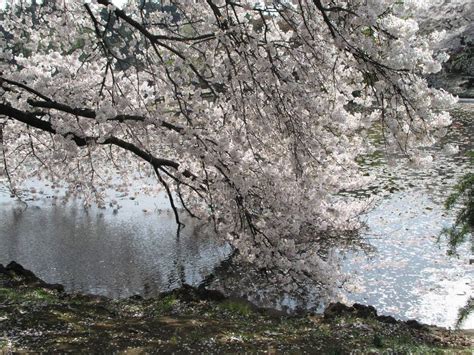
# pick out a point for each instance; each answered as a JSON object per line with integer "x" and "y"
{"x": 249, "y": 114}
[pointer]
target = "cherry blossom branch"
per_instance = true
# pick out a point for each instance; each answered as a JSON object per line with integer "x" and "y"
{"x": 156, "y": 41}
{"x": 31, "y": 120}
{"x": 170, "y": 197}
{"x": 89, "y": 113}
{"x": 23, "y": 86}
{"x": 49, "y": 103}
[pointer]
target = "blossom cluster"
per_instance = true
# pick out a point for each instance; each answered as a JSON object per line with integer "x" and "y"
{"x": 252, "y": 116}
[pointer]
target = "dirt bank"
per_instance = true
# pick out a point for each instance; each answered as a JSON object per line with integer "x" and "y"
{"x": 35, "y": 316}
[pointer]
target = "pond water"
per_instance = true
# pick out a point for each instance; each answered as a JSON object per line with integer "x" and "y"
{"x": 410, "y": 274}
{"x": 135, "y": 250}
{"x": 106, "y": 253}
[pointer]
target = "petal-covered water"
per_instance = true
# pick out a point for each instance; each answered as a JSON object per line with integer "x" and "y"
{"x": 410, "y": 274}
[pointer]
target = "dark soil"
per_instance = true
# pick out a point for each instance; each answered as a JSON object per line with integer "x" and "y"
{"x": 38, "y": 317}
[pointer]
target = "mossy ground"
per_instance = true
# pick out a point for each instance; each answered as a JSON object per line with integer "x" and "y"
{"x": 34, "y": 318}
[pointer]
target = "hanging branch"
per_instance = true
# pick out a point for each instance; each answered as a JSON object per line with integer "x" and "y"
{"x": 173, "y": 206}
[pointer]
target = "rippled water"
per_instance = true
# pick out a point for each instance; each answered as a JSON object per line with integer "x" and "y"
{"x": 136, "y": 250}
{"x": 102, "y": 252}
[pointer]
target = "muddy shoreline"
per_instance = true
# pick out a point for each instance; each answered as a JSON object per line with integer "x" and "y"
{"x": 40, "y": 317}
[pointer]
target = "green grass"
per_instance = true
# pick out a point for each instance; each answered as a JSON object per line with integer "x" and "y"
{"x": 236, "y": 308}
{"x": 9, "y": 296}
{"x": 3, "y": 343}
{"x": 40, "y": 294}
{"x": 173, "y": 324}
{"x": 165, "y": 305}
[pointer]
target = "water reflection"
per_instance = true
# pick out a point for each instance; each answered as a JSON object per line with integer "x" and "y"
{"x": 95, "y": 251}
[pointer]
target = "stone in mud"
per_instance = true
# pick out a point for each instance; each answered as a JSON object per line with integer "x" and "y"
{"x": 15, "y": 273}
{"x": 359, "y": 310}
{"x": 189, "y": 293}
{"x": 387, "y": 319}
{"x": 15, "y": 269}
{"x": 336, "y": 309}
{"x": 415, "y": 324}
{"x": 136, "y": 298}
{"x": 365, "y": 311}
{"x": 211, "y": 295}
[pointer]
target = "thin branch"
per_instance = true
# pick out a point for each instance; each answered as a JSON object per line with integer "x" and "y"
{"x": 173, "y": 206}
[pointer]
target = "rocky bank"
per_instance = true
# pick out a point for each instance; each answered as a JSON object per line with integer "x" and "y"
{"x": 39, "y": 317}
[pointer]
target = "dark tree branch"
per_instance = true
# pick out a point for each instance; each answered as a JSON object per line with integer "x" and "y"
{"x": 326, "y": 19}
{"x": 88, "y": 113}
{"x": 31, "y": 120}
{"x": 170, "y": 196}
{"x": 156, "y": 40}
{"x": 83, "y": 112}
{"x": 25, "y": 87}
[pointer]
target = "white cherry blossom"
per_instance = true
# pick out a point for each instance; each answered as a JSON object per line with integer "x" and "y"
{"x": 250, "y": 117}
